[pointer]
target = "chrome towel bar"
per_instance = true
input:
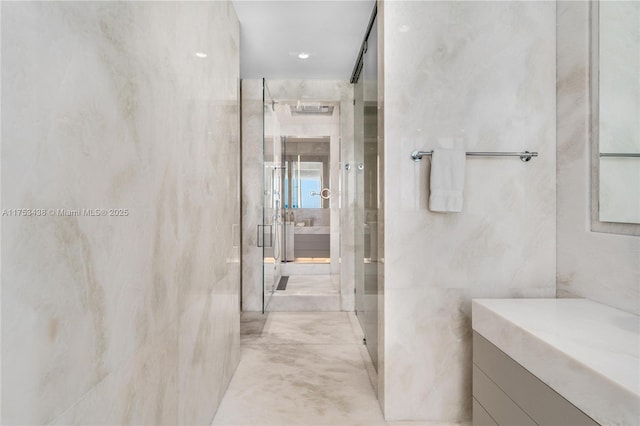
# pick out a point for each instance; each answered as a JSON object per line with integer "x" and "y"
{"x": 620, "y": 154}
{"x": 524, "y": 156}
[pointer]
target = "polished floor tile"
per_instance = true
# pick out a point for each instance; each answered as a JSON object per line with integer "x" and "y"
{"x": 311, "y": 328}
{"x": 301, "y": 369}
{"x": 297, "y": 268}
{"x": 312, "y": 284}
{"x": 308, "y": 293}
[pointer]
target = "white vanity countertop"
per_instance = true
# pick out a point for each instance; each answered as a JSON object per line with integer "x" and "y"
{"x": 587, "y": 352}
{"x": 311, "y": 230}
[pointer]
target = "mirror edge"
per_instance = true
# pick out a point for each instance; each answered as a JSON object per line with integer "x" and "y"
{"x": 632, "y": 229}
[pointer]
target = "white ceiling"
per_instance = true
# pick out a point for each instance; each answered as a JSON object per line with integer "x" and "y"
{"x": 272, "y": 33}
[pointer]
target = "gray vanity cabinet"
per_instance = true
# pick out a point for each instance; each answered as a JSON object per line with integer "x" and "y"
{"x": 506, "y": 394}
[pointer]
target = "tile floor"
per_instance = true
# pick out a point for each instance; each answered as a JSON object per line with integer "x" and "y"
{"x": 301, "y": 369}
{"x": 308, "y": 293}
{"x": 299, "y": 268}
{"x": 313, "y": 284}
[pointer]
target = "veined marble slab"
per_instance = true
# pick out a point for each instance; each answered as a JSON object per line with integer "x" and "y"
{"x": 587, "y": 352}
{"x": 130, "y": 319}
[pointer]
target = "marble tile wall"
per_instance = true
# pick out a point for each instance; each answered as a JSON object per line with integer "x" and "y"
{"x": 129, "y": 319}
{"x": 599, "y": 266}
{"x": 252, "y": 193}
{"x": 480, "y": 75}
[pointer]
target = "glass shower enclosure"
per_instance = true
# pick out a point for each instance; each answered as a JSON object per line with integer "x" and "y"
{"x": 272, "y": 220}
{"x": 367, "y": 191}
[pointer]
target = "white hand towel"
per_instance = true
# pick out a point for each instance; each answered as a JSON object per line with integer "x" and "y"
{"x": 447, "y": 180}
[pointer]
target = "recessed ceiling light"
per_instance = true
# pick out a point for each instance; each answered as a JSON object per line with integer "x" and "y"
{"x": 303, "y": 55}
{"x": 201, "y": 54}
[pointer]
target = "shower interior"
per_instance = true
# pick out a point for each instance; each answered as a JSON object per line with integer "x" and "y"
{"x": 301, "y": 200}
{"x": 306, "y": 191}
{"x": 299, "y": 180}
{"x": 298, "y": 202}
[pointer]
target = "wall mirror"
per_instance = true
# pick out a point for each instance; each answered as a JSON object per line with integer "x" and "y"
{"x": 615, "y": 79}
{"x": 306, "y": 180}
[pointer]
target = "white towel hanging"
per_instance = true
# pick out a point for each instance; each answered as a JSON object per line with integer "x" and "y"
{"x": 447, "y": 180}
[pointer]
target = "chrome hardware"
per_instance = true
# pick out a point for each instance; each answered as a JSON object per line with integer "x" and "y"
{"x": 524, "y": 156}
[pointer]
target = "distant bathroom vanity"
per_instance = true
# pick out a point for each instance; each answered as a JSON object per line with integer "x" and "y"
{"x": 312, "y": 242}
{"x": 554, "y": 362}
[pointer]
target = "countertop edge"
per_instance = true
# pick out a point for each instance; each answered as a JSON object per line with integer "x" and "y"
{"x": 569, "y": 377}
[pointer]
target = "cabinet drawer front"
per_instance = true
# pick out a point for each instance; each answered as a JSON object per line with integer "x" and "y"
{"x": 501, "y": 408}
{"x": 544, "y": 405}
{"x": 480, "y": 416}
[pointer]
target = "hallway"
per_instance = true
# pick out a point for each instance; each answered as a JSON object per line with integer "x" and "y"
{"x": 209, "y": 206}
{"x": 301, "y": 368}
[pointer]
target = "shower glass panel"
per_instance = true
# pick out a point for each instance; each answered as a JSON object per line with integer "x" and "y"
{"x": 358, "y": 206}
{"x": 307, "y": 197}
{"x": 367, "y": 199}
{"x": 272, "y": 203}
